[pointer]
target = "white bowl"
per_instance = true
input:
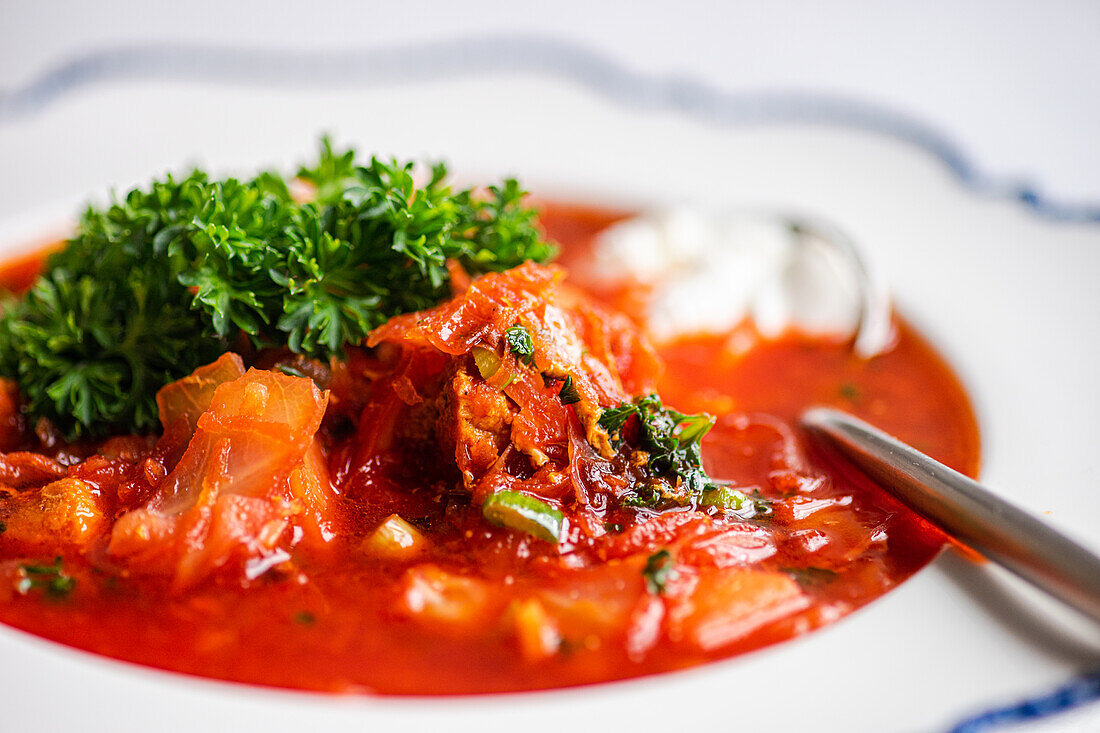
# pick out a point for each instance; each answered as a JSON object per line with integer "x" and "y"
{"x": 1006, "y": 293}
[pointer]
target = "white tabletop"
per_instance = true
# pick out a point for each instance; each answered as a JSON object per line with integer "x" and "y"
{"x": 1013, "y": 86}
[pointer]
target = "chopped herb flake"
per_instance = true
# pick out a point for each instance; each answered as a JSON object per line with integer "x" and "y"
{"x": 305, "y": 618}
{"x": 660, "y": 568}
{"x": 672, "y": 441}
{"x": 52, "y": 579}
{"x": 811, "y": 576}
{"x": 645, "y": 496}
{"x": 521, "y": 344}
{"x": 568, "y": 393}
{"x": 292, "y": 371}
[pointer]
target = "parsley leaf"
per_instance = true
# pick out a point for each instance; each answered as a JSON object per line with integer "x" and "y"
{"x": 165, "y": 278}
{"x": 568, "y": 393}
{"x": 613, "y": 418}
{"x": 521, "y": 344}
{"x": 107, "y": 324}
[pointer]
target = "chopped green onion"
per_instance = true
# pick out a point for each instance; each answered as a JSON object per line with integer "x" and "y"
{"x": 723, "y": 497}
{"x": 694, "y": 428}
{"x": 732, "y": 500}
{"x": 523, "y": 513}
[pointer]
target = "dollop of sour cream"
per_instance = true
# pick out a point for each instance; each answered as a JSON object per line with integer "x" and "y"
{"x": 710, "y": 271}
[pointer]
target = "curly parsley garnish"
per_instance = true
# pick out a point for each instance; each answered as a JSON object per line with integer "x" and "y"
{"x": 168, "y": 276}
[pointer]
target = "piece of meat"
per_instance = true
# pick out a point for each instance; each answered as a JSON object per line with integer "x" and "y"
{"x": 506, "y": 416}
{"x": 476, "y": 418}
{"x": 572, "y": 335}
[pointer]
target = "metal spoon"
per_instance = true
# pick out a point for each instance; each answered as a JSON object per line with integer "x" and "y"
{"x": 966, "y": 510}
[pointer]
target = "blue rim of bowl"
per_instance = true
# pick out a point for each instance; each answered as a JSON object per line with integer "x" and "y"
{"x": 1077, "y": 692}
{"x": 587, "y": 67}
{"x": 517, "y": 54}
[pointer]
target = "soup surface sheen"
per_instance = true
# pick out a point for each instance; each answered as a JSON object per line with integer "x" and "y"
{"x": 476, "y": 608}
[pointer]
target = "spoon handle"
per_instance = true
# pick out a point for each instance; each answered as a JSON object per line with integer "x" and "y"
{"x": 966, "y": 510}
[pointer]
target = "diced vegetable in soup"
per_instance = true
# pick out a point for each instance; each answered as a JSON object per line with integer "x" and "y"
{"x": 386, "y": 446}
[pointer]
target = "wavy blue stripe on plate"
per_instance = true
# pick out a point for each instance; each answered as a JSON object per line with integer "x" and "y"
{"x": 1080, "y": 690}
{"x": 522, "y": 53}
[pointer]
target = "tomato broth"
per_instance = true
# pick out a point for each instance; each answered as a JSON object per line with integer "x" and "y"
{"x": 440, "y": 601}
